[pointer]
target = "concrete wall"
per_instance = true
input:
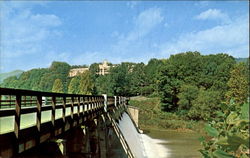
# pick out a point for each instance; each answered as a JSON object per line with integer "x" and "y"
{"x": 134, "y": 113}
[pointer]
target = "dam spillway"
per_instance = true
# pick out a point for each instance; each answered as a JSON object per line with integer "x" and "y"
{"x": 141, "y": 145}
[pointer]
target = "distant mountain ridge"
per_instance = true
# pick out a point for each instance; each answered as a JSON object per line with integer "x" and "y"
{"x": 241, "y": 60}
{"x": 9, "y": 74}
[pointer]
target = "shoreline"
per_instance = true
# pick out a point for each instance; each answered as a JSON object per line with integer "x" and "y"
{"x": 180, "y": 130}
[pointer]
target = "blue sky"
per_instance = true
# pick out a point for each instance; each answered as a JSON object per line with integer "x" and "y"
{"x": 35, "y": 33}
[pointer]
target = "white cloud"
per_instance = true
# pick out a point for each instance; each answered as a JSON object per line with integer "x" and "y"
{"x": 144, "y": 23}
{"x": 213, "y": 14}
{"x": 45, "y": 19}
{"x": 147, "y": 20}
{"x": 24, "y": 32}
{"x": 232, "y": 38}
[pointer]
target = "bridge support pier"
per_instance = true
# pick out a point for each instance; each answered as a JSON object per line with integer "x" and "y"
{"x": 90, "y": 141}
{"x": 102, "y": 136}
{"x": 78, "y": 143}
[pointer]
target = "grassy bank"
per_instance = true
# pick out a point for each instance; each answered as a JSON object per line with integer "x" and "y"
{"x": 151, "y": 116}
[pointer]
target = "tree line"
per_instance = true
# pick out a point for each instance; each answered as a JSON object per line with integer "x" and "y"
{"x": 213, "y": 88}
{"x": 189, "y": 83}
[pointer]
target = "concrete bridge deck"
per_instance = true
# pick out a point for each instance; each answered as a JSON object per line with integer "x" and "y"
{"x": 29, "y": 118}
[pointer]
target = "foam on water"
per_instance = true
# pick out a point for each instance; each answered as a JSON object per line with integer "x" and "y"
{"x": 154, "y": 148}
{"x": 141, "y": 145}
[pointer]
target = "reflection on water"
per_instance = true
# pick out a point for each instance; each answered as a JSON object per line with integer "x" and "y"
{"x": 180, "y": 144}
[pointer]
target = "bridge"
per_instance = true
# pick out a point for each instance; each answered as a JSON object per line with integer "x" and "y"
{"x": 77, "y": 124}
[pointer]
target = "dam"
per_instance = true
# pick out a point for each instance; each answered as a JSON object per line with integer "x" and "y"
{"x": 69, "y": 125}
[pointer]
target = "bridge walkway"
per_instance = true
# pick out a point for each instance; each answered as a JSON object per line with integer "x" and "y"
{"x": 29, "y": 118}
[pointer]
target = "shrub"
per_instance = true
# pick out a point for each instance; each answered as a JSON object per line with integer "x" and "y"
{"x": 229, "y": 133}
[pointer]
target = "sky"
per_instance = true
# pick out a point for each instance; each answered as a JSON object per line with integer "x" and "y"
{"x": 36, "y": 33}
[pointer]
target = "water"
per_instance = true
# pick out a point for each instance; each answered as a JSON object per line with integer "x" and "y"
{"x": 154, "y": 148}
{"x": 131, "y": 135}
{"x": 158, "y": 143}
{"x": 141, "y": 145}
{"x": 179, "y": 144}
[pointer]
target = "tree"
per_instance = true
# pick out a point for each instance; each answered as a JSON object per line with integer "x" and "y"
{"x": 120, "y": 77}
{"x": 187, "y": 94}
{"x": 57, "y": 70}
{"x": 205, "y": 105}
{"x": 238, "y": 84}
{"x": 74, "y": 85}
{"x": 104, "y": 85}
{"x": 10, "y": 82}
{"x": 86, "y": 83}
{"x": 178, "y": 69}
{"x": 94, "y": 69}
{"x": 190, "y": 68}
{"x": 60, "y": 67}
{"x": 216, "y": 72}
{"x": 58, "y": 86}
{"x": 152, "y": 70}
{"x": 138, "y": 79}
{"x": 47, "y": 81}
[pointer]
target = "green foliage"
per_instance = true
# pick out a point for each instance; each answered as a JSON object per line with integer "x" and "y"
{"x": 120, "y": 78}
{"x": 205, "y": 105}
{"x": 229, "y": 133}
{"x": 128, "y": 79}
{"x": 94, "y": 69}
{"x": 10, "y": 82}
{"x": 16, "y": 73}
{"x": 82, "y": 84}
{"x": 190, "y": 84}
{"x": 151, "y": 116}
{"x": 244, "y": 60}
{"x": 86, "y": 85}
{"x": 211, "y": 131}
{"x": 74, "y": 85}
{"x": 60, "y": 67}
{"x": 151, "y": 71}
{"x": 40, "y": 79}
{"x": 178, "y": 69}
{"x": 104, "y": 85}
{"x": 216, "y": 71}
{"x": 58, "y": 86}
{"x": 138, "y": 79}
{"x": 188, "y": 93}
{"x": 79, "y": 66}
{"x": 207, "y": 73}
{"x": 239, "y": 83}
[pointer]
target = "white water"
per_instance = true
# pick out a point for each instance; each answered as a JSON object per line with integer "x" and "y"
{"x": 141, "y": 145}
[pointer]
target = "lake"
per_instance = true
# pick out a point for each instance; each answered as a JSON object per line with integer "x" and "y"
{"x": 179, "y": 144}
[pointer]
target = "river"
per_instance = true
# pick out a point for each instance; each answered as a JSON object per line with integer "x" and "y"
{"x": 177, "y": 144}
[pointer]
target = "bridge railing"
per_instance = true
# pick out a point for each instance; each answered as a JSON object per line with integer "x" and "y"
{"x": 44, "y": 115}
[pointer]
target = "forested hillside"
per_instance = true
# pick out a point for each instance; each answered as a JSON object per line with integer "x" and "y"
{"x": 9, "y": 74}
{"x": 185, "y": 82}
{"x": 245, "y": 60}
{"x": 190, "y": 87}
